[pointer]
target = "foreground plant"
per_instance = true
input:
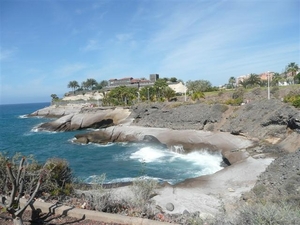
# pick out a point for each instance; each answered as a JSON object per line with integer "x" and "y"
{"x": 16, "y": 180}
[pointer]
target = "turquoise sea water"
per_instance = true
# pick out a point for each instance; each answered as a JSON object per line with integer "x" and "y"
{"x": 120, "y": 162}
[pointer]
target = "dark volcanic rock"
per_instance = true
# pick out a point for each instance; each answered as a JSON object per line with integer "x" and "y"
{"x": 263, "y": 118}
{"x": 191, "y": 116}
{"x": 281, "y": 179}
{"x": 152, "y": 140}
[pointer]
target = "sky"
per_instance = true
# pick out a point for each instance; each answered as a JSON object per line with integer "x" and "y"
{"x": 45, "y": 44}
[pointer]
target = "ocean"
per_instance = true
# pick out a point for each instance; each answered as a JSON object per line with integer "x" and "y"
{"x": 119, "y": 162}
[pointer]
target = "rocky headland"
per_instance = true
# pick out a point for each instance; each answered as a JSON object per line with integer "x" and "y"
{"x": 250, "y": 138}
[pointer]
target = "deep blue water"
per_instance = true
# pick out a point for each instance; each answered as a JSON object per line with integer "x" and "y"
{"x": 119, "y": 162}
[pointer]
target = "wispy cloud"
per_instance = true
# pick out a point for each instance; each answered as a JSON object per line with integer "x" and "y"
{"x": 193, "y": 41}
{"x": 70, "y": 69}
{"x": 6, "y": 54}
{"x": 92, "y": 45}
{"x": 124, "y": 37}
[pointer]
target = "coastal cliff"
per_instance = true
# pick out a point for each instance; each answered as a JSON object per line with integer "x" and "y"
{"x": 249, "y": 137}
{"x": 271, "y": 121}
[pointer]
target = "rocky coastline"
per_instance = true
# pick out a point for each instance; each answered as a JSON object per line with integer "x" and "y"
{"x": 249, "y": 137}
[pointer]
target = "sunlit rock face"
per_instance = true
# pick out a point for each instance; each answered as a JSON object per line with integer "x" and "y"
{"x": 86, "y": 118}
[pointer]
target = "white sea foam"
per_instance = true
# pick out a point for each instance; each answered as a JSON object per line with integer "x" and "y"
{"x": 35, "y": 129}
{"x": 109, "y": 144}
{"x": 148, "y": 154}
{"x": 121, "y": 180}
{"x": 210, "y": 163}
{"x": 131, "y": 179}
{"x": 177, "y": 149}
{"x": 207, "y": 162}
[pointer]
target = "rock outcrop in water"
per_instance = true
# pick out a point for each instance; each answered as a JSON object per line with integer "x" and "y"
{"x": 77, "y": 118}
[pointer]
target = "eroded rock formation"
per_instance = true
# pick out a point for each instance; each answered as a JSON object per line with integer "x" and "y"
{"x": 85, "y": 118}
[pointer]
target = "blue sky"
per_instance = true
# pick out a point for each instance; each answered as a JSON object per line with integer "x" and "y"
{"x": 47, "y": 43}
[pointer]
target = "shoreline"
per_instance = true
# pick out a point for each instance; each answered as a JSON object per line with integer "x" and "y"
{"x": 209, "y": 193}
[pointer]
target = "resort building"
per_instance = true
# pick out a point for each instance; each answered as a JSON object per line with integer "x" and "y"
{"x": 262, "y": 76}
{"x": 130, "y": 81}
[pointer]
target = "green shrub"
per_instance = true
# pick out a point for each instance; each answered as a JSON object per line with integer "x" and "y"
{"x": 101, "y": 198}
{"x": 58, "y": 180}
{"x": 293, "y": 98}
{"x": 269, "y": 213}
{"x": 296, "y": 102}
{"x": 238, "y": 94}
{"x": 143, "y": 189}
{"x": 31, "y": 176}
{"x": 220, "y": 93}
{"x": 256, "y": 91}
{"x": 237, "y": 101}
{"x": 274, "y": 90}
{"x": 259, "y": 190}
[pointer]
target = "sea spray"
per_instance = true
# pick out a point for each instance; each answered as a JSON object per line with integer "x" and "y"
{"x": 177, "y": 149}
{"x": 177, "y": 163}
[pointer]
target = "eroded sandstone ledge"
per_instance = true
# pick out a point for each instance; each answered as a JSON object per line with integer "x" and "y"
{"x": 77, "y": 118}
{"x": 191, "y": 140}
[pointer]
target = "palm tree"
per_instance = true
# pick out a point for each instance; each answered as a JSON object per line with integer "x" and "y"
{"x": 293, "y": 68}
{"x": 90, "y": 83}
{"x": 84, "y": 85}
{"x": 232, "y": 81}
{"x": 276, "y": 79}
{"x": 102, "y": 84}
{"x": 73, "y": 84}
{"x": 122, "y": 95}
{"x": 169, "y": 93}
{"x": 105, "y": 99}
{"x": 244, "y": 83}
{"x": 197, "y": 95}
{"x": 254, "y": 80}
{"x": 297, "y": 78}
